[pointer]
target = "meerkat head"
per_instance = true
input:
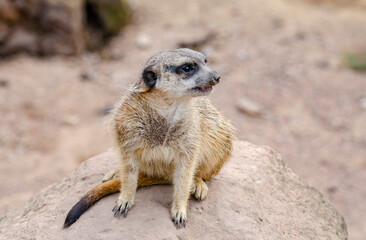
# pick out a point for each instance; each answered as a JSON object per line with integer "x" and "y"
{"x": 178, "y": 73}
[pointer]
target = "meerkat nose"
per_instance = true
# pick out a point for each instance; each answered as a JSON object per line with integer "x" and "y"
{"x": 216, "y": 77}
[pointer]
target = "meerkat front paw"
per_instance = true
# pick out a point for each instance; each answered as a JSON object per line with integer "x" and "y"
{"x": 199, "y": 189}
{"x": 111, "y": 175}
{"x": 179, "y": 218}
{"x": 122, "y": 206}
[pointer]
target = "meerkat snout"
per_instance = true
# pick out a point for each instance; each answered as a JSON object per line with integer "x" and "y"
{"x": 216, "y": 77}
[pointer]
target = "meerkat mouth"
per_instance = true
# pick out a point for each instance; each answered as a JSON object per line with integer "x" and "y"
{"x": 205, "y": 89}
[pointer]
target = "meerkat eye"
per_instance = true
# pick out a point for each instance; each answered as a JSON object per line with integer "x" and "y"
{"x": 188, "y": 68}
{"x": 205, "y": 60}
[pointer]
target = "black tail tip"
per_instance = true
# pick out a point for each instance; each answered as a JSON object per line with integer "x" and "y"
{"x": 68, "y": 222}
{"x": 77, "y": 211}
{"x": 71, "y": 219}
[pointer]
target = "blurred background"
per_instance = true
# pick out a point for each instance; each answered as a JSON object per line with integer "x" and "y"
{"x": 293, "y": 78}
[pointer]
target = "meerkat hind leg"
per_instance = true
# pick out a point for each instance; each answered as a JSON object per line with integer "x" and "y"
{"x": 111, "y": 175}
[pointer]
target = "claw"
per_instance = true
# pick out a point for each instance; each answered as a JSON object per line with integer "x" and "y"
{"x": 126, "y": 210}
{"x": 179, "y": 220}
{"x": 116, "y": 212}
{"x": 121, "y": 210}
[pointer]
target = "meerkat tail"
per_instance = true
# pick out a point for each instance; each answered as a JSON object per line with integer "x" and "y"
{"x": 98, "y": 192}
{"x": 102, "y": 190}
{"x": 145, "y": 181}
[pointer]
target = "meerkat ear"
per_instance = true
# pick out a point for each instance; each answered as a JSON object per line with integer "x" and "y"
{"x": 149, "y": 77}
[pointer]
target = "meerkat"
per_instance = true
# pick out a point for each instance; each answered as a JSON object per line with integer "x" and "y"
{"x": 166, "y": 132}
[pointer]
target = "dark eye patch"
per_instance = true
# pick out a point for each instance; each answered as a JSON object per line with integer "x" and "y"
{"x": 171, "y": 68}
{"x": 187, "y": 69}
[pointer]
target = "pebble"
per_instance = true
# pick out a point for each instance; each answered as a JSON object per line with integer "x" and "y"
{"x": 71, "y": 120}
{"x": 106, "y": 110}
{"x": 332, "y": 189}
{"x": 86, "y": 76}
{"x": 4, "y": 83}
{"x": 322, "y": 64}
{"x": 143, "y": 41}
{"x": 300, "y": 36}
{"x": 249, "y": 107}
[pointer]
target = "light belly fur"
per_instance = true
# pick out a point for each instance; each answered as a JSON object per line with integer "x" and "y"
{"x": 157, "y": 161}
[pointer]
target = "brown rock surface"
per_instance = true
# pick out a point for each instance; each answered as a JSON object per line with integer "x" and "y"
{"x": 254, "y": 197}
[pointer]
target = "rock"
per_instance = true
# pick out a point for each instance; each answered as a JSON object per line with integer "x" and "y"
{"x": 249, "y": 107}
{"x": 20, "y": 39}
{"x": 255, "y": 196}
{"x": 60, "y": 26}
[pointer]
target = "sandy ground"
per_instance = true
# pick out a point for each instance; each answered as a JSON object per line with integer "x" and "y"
{"x": 286, "y": 56}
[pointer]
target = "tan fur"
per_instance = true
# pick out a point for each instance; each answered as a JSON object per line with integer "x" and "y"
{"x": 169, "y": 134}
